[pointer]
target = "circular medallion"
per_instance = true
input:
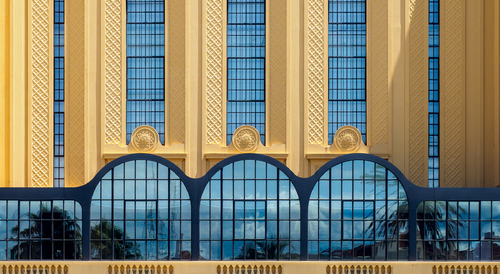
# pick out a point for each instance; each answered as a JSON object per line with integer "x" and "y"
{"x": 347, "y": 139}
{"x": 145, "y": 139}
{"x": 246, "y": 139}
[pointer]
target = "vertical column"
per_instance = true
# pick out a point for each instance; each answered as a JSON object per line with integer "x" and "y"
{"x": 113, "y": 71}
{"x": 38, "y": 99}
{"x": 452, "y": 72}
{"x": 176, "y": 71}
{"x": 213, "y": 71}
{"x": 418, "y": 98}
{"x": 4, "y": 93}
{"x": 75, "y": 97}
{"x": 315, "y": 59}
{"x": 378, "y": 80}
{"x": 276, "y": 95}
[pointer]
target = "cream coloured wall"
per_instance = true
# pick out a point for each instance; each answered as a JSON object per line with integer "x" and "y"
{"x": 296, "y": 88}
{"x": 4, "y": 92}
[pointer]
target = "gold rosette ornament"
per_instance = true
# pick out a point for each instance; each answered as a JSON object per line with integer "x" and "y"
{"x": 145, "y": 139}
{"x": 347, "y": 139}
{"x": 246, "y": 139}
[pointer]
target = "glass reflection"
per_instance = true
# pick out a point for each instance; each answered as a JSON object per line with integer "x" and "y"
{"x": 262, "y": 216}
{"x": 359, "y": 213}
{"x": 151, "y": 214}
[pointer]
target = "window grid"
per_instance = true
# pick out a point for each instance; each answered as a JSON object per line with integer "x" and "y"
{"x": 58, "y": 93}
{"x": 146, "y": 66}
{"x": 458, "y": 230}
{"x": 433, "y": 93}
{"x": 140, "y": 211}
{"x": 346, "y": 66}
{"x": 358, "y": 211}
{"x": 246, "y": 47}
{"x": 40, "y": 230}
{"x": 260, "y": 216}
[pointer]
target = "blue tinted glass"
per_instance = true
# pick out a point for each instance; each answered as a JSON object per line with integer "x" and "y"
{"x": 342, "y": 215}
{"x": 246, "y": 33}
{"x": 433, "y": 93}
{"x": 155, "y": 220}
{"x": 346, "y": 66}
{"x": 58, "y": 93}
{"x": 146, "y": 66}
{"x": 251, "y": 226}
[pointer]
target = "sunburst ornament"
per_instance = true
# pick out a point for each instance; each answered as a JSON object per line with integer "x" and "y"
{"x": 246, "y": 139}
{"x": 347, "y": 139}
{"x": 145, "y": 139}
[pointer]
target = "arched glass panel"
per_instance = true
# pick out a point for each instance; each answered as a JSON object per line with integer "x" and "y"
{"x": 40, "y": 230}
{"x": 358, "y": 210}
{"x": 458, "y": 230}
{"x": 250, "y": 211}
{"x": 140, "y": 211}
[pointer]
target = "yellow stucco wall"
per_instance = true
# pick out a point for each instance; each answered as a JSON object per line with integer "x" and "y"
{"x": 4, "y": 92}
{"x": 296, "y": 88}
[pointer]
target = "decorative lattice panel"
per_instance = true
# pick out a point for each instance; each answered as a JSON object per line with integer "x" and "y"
{"x": 418, "y": 45}
{"x": 315, "y": 70}
{"x": 113, "y": 71}
{"x": 39, "y": 93}
{"x": 75, "y": 97}
{"x": 379, "y": 72}
{"x": 214, "y": 71}
{"x": 453, "y": 135}
{"x": 278, "y": 73}
{"x": 176, "y": 71}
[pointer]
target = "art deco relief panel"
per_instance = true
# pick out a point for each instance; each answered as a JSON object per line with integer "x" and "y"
{"x": 417, "y": 143}
{"x": 453, "y": 131}
{"x": 75, "y": 98}
{"x": 39, "y": 147}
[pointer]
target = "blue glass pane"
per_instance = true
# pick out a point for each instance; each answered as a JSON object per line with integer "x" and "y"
{"x": 346, "y": 66}
{"x": 246, "y": 47}
{"x": 146, "y": 66}
{"x": 355, "y": 213}
{"x": 433, "y": 93}
{"x": 251, "y": 226}
{"x": 58, "y": 93}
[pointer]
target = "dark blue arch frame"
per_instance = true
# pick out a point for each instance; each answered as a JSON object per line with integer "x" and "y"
{"x": 304, "y": 187}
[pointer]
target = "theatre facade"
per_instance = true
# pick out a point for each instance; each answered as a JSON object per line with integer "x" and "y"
{"x": 249, "y": 136}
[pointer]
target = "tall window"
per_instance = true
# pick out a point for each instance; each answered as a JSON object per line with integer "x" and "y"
{"x": 59, "y": 93}
{"x": 146, "y": 65}
{"x": 346, "y": 66}
{"x": 433, "y": 93}
{"x": 246, "y": 48}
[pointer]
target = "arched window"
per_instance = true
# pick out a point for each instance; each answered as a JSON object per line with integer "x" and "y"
{"x": 140, "y": 210}
{"x": 246, "y": 58}
{"x": 146, "y": 66}
{"x": 250, "y": 211}
{"x": 346, "y": 66}
{"x": 358, "y": 210}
